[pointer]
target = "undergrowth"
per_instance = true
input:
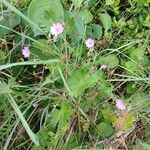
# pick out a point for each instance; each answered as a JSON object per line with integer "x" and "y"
{"x": 85, "y": 85}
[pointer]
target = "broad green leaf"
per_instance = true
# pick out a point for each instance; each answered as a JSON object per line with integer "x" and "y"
{"x": 55, "y": 117}
{"x": 65, "y": 115}
{"x": 86, "y": 16}
{"x": 106, "y": 21}
{"x": 129, "y": 122}
{"x": 106, "y": 89}
{"x": 105, "y": 129}
{"x": 42, "y": 50}
{"x": 77, "y": 82}
{"x": 109, "y": 115}
{"x": 44, "y": 13}
{"x": 138, "y": 54}
{"x": 110, "y": 60}
{"x": 75, "y": 26}
{"x": 80, "y": 80}
{"x": 10, "y": 20}
{"x": 77, "y": 3}
{"x": 132, "y": 67}
{"x": 62, "y": 116}
{"x": 109, "y": 2}
{"x": 97, "y": 31}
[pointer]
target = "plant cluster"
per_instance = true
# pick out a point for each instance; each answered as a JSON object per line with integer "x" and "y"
{"x": 74, "y": 74}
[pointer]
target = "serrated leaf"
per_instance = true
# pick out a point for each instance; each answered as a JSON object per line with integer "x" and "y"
{"x": 138, "y": 54}
{"x": 105, "y": 129}
{"x": 86, "y": 16}
{"x": 80, "y": 80}
{"x": 110, "y": 60}
{"x": 133, "y": 67}
{"x": 76, "y": 82}
{"x": 106, "y": 88}
{"x": 44, "y": 13}
{"x": 106, "y": 21}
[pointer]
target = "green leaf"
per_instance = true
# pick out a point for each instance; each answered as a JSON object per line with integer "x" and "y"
{"x": 97, "y": 31}
{"x": 45, "y": 12}
{"x": 110, "y": 60}
{"x": 2, "y": 55}
{"x": 133, "y": 67}
{"x": 146, "y": 22}
{"x": 86, "y": 16}
{"x": 75, "y": 26}
{"x": 80, "y": 80}
{"x": 145, "y": 146}
{"x": 10, "y": 20}
{"x": 105, "y": 129}
{"x": 106, "y": 89}
{"x": 65, "y": 115}
{"x": 77, "y": 3}
{"x": 4, "y": 88}
{"x": 55, "y": 117}
{"x": 76, "y": 82}
{"x": 42, "y": 49}
{"x": 129, "y": 122}
{"x": 137, "y": 54}
{"x": 62, "y": 116}
{"x": 109, "y": 2}
{"x": 106, "y": 21}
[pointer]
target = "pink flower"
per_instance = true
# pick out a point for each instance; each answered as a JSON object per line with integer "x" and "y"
{"x": 26, "y": 52}
{"x": 120, "y": 105}
{"x": 90, "y": 43}
{"x": 56, "y": 29}
{"x": 103, "y": 67}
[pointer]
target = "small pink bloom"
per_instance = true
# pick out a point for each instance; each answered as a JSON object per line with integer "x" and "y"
{"x": 103, "y": 67}
{"x": 26, "y": 52}
{"x": 120, "y": 105}
{"x": 90, "y": 43}
{"x": 56, "y": 29}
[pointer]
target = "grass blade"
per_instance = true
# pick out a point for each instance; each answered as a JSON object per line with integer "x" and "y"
{"x": 32, "y": 136}
{"x": 28, "y": 63}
